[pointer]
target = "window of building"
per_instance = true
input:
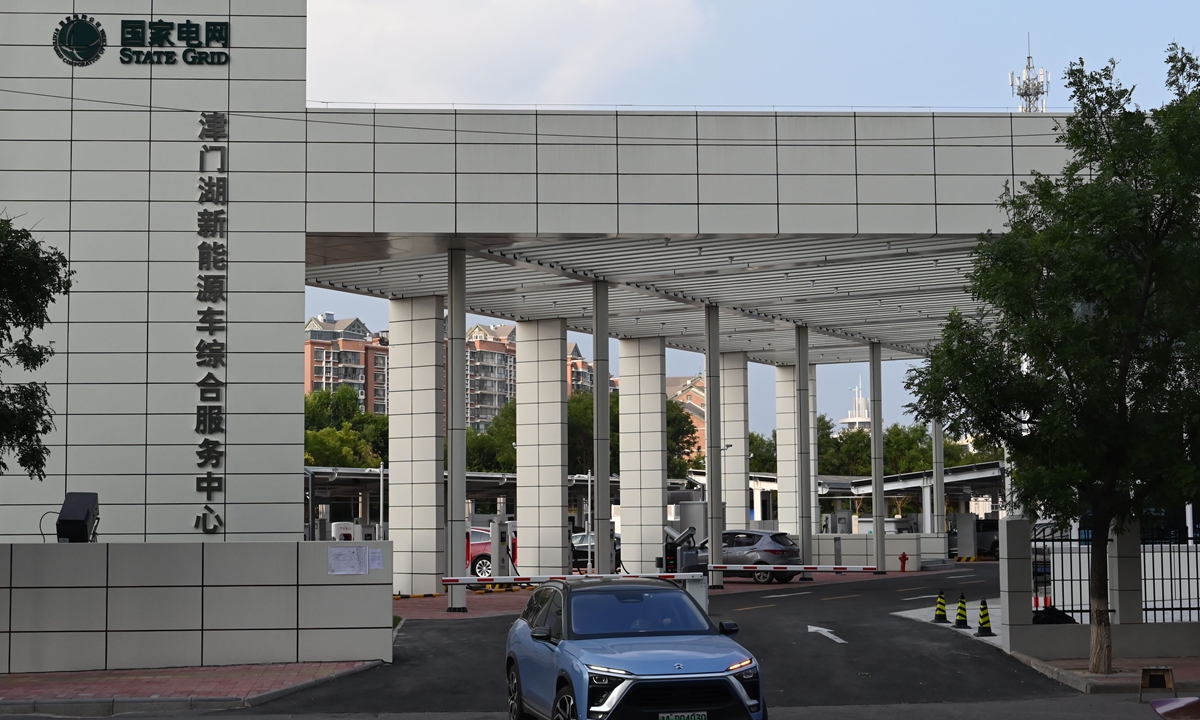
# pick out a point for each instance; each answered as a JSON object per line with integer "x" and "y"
{"x": 317, "y": 370}
{"x": 380, "y": 408}
{"x": 381, "y": 378}
{"x": 381, "y": 393}
{"x": 381, "y": 360}
{"x": 318, "y": 354}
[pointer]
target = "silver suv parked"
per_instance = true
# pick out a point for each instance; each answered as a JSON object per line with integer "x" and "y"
{"x": 756, "y": 547}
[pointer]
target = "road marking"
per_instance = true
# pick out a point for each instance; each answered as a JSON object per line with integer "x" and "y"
{"x": 827, "y": 633}
{"x": 839, "y": 597}
{"x": 752, "y": 607}
{"x": 971, "y": 582}
{"x": 919, "y": 597}
{"x": 809, "y": 592}
{"x": 919, "y": 587}
{"x": 955, "y": 577}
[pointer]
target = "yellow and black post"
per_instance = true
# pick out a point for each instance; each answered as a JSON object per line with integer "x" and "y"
{"x": 985, "y": 623}
{"x": 960, "y": 617}
{"x": 939, "y": 614}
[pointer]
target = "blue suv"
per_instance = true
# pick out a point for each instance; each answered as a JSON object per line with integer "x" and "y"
{"x": 626, "y": 649}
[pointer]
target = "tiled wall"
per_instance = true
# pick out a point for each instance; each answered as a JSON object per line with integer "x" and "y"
{"x": 103, "y": 163}
{"x": 786, "y": 450}
{"x": 542, "y": 446}
{"x": 735, "y": 432}
{"x": 646, "y": 172}
{"x": 126, "y": 605}
{"x": 416, "y": 492}
{"x": 643, "y": 423}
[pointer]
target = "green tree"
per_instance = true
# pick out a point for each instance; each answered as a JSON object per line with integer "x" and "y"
{"x": 373, "y": 429}
{"x": 326, "y": 408}
{"x": 501, "y": 439}
{"x": 681, "y": 441}
{"x": 580, "y": 451}
{"x": 338, "y": 447}
{"x": 762, "y": 453}
{"x": 1084, "y": 362}
{"x": 33, "y": 276}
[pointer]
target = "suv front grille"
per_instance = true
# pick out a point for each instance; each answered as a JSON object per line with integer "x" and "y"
{"x": 646, "y": 699}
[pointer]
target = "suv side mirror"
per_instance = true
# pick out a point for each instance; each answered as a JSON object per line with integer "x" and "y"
{"x": 728, "y": 627}
{"x": 540, "y": 633}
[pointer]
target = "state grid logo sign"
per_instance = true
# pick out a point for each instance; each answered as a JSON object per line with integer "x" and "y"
{"x": 79, "y": 40}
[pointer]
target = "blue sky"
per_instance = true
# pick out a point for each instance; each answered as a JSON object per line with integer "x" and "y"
{"x": 687, "y": 53}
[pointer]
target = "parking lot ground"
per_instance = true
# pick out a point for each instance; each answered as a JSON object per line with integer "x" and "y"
{"x": 489, "y": 604}
{"x": 455, "y": 664}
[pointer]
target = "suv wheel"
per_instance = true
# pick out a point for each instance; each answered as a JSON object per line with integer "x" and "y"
{"x": 516, "y": 706}
{"x": 482, "y": 567}
{"x": 762, "y": 577}
{"x": 564, "y": 705}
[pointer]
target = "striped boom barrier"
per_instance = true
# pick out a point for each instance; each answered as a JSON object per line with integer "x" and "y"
{"x": 532, "y": 579}
{"x": 796, "y": 568}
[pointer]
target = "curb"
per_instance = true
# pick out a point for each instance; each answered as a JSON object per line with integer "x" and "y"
{"x": 276, "y": 694}
{"x": 1092, "y": 686}
{"x": 84, "y": 707}
{"x": 105, "y": 708}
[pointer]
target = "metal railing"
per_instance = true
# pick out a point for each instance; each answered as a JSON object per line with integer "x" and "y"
{"x": 1170, "y": 575}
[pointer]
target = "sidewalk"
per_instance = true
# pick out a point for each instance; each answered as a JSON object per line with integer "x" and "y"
{"x": 107, "y": 692}
{"x": 1126, "y": 677}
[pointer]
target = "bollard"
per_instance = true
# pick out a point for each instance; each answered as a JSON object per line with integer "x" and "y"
{"x": 903, "y": 560}
{"x": 960, "y": 617}
{"x": 985, "y": 623}
{"x": 939, "y": 613}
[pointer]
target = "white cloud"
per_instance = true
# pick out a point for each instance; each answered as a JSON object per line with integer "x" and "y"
{"x": 492, "y": 51}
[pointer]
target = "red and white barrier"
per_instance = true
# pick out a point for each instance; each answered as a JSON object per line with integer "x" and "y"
{"x": 796, "y": 568}
{"x": 535, "y": 579}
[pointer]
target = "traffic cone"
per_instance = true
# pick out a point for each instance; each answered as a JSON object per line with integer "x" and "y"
{"x": 985, "y": 623}
{"x": 939, "y": 614}
{"x": 960, "y": 617}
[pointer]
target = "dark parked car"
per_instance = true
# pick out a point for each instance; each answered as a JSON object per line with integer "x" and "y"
{"x": 756, "y": 547}
{"x": 581, "y": 545}
{"x": 626, "y": 649}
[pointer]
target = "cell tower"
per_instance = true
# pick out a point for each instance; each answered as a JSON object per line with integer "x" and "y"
{"x": 1032, "y": 86}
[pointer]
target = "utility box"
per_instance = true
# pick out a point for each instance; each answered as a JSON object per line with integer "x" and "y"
{"x": 841, "y": 522}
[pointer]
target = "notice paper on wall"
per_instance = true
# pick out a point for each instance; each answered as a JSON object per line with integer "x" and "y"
{"x": 376, "y": 555}
{"x": 347, "y": 559}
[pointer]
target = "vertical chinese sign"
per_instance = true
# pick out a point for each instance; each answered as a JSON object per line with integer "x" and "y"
{"x": 212, "y": 263}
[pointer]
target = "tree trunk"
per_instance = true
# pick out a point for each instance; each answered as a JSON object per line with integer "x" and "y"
{"x": 1100, "y": 657}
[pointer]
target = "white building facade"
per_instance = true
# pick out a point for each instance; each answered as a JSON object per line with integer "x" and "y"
{"x": 165, "y": 147}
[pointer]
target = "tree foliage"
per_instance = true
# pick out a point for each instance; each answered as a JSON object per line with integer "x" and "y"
{"x": 338, "y": 447}
{"x": 337, "y": 411}
{"x": 1084, "y": 362}
{"x": 762, "y": 453}
{"x": 906, "y": 448}
{"x": 682, "y": 440}
{"x": 32, "y": 278}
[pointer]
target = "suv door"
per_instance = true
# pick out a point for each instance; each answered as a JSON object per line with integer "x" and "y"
{"x": 537, "y": 683}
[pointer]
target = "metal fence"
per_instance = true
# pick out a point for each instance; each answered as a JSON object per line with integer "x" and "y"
{"x": 1170, "y": 576}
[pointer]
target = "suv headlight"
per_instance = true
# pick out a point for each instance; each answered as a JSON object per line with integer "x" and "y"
{"x": 748, "y": 679}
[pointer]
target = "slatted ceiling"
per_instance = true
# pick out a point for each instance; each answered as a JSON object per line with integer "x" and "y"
{"x": 888, "y": 288}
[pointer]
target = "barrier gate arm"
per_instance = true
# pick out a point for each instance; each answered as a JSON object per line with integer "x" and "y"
{"x": 796, "y": 568}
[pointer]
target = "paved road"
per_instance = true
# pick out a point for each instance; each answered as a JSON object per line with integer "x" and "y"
{"x": 456, "y": 667}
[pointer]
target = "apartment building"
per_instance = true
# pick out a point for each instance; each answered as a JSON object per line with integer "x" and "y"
{"x": 491, "y": 372}
{"x": 689, "y": 392}
{"x": 346, "y": 352}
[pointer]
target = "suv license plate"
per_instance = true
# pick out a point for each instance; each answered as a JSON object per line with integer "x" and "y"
{"x": 683, "y": 716}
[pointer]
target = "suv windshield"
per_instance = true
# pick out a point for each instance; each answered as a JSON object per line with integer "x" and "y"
{"x": 617, "y": 612}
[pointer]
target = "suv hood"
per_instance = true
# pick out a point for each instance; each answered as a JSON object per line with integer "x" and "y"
{"x": 660, "y": 655}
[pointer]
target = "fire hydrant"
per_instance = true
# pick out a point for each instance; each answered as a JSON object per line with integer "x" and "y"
{"x": 903, "y": 560}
